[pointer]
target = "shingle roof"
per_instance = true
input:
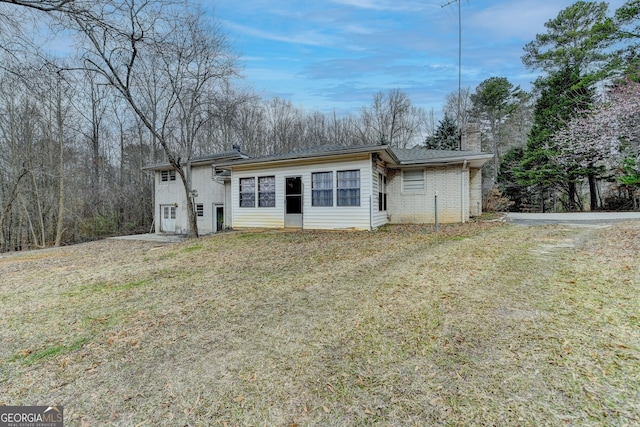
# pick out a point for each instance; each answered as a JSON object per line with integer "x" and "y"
{"x": 209, "y": 158}
{"x": 317, "y": 151}
{"x": 413, "y": 156}
{"x": 417, "y": 154}
{"x": 399, "y": 156}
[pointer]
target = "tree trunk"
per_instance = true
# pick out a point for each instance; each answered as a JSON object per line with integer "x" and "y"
{"x": 38, "y": 204}
{"x": 7, "y": 208}
{"x": 593, "y": 193}
{"x": 572, "y": 196}
{"x": 191, "y": 212}
{"x": 60, "y": 219}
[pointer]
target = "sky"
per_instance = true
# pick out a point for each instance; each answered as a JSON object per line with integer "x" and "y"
{"x": 334, "y": 55}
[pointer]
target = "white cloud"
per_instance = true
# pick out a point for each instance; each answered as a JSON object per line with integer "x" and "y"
{"x": 386, "y": 5}
{"x": 309, "y": 38}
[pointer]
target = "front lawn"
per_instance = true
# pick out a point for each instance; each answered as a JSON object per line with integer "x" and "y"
{"x": 478, "y": 324}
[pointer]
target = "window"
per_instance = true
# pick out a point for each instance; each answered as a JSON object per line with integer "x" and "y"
{"x": 168, "y": 212}
{"x": 322, "y": 189}
{"x": 267, "y": 191}
{"x": 247, "y": 192}
{"x": 166, "y": 176}
{"x": 348, "y": 188}
{"x": 382, "y": 192}
{"x": 413, "y": 180}
{"x": 200, "y": 209}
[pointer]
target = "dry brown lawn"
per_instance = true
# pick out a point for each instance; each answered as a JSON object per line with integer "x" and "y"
{"x": 478, "y": 324}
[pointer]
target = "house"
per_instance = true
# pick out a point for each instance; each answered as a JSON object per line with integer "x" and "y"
{"x": 209, "y": 195}
{"x": 327, "y": 187}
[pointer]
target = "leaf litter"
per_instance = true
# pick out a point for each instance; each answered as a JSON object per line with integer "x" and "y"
{"x": 475, "y": 324}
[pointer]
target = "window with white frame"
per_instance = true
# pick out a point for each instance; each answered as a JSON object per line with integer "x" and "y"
{"x": 382, "y": 192}
{"x": 348, "y": 188}
{"x": 322, "y": 189}
{"x": 200, "y": 209}
{"x": 267, "y": 191}
{"x": 247, "y": 192}
{"x": 166, "y": 176}
{"x": 413, "y": 180}
{"x": 168, "y": 212}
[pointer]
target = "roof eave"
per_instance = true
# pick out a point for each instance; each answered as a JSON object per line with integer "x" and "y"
{"x": 306, "y": 156}
{"x": 476, "y": 160}
{"x": 197, "y": 162}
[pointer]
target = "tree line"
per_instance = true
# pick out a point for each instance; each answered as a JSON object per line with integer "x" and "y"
{"x": 151, "y": 81}
{"x": 584, "y": 134}
{"x": 572, "y": 142}
{"x": 157, "y": 81}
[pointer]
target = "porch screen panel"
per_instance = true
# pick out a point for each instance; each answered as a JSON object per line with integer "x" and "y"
{"x": 267, "y": 191}
{"x": 322, "y": 189}
{"x": 247, "y": 192}
{"x": 348, "y": 186}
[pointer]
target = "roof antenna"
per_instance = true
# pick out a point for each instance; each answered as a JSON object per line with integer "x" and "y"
{"x": 450, "y": 2}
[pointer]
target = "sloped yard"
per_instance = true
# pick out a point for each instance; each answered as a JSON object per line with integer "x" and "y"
{"x": 479, "y": 324}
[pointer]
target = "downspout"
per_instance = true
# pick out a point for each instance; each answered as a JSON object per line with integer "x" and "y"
{"x": 370, "y": 212}
{"x": 373, "y": 175}
{"x": 464, "y": 166}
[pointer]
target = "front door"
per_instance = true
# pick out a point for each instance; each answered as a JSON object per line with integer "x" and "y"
{"x": 168, "y": 215}
{"x": 293, "y": 202}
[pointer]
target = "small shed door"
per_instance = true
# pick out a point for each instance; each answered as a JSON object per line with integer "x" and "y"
{"x": 293, "y": 202}
{"x": 168, "y": 213}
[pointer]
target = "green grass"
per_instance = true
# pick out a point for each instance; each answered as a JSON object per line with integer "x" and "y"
{"x": 477, "y": 324}
{"x": 192, "y": 248}
{"x": 29, "y": 358}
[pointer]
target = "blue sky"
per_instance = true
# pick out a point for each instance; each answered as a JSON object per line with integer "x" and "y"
{"x": 331, "y": 55}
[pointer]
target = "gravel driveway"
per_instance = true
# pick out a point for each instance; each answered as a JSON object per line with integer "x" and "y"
{"x": 578, "y": 218}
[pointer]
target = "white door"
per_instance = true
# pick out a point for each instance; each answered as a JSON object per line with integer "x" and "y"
{"x": 168, "y": 219}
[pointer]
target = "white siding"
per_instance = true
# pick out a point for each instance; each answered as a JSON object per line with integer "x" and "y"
{"x": 172, "y": 192}
{"x": 228, "y": 206}
{"x": 379, "y": 217}
{"x": 452, "y": 185}
{"x": 314, "y": 217}
{"x": 210, "y": 192}
{"x": 169, "y": 193}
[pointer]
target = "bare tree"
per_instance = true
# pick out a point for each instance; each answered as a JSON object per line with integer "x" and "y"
{"x": 284, "y": 121}
{"x": 391, "y": 119}
{"x": 251, "y": 127}
{"x": 451, "y": 106}
{"x": 127, "y": 38}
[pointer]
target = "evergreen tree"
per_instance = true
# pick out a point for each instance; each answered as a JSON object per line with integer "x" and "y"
{"x": 446, "y": 137}
{"x": 562, "y": 97}
{"x": 508, "y": 183}
{"x": 493, "y": 101}
{"x": 574, "y": 52}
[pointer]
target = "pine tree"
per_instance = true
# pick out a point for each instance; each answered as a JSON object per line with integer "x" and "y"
{"x": 446, "y": 137}
{"x": 562, "y": 97}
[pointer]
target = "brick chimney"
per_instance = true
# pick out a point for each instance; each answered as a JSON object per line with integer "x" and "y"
{"x": 471, "y": 138}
